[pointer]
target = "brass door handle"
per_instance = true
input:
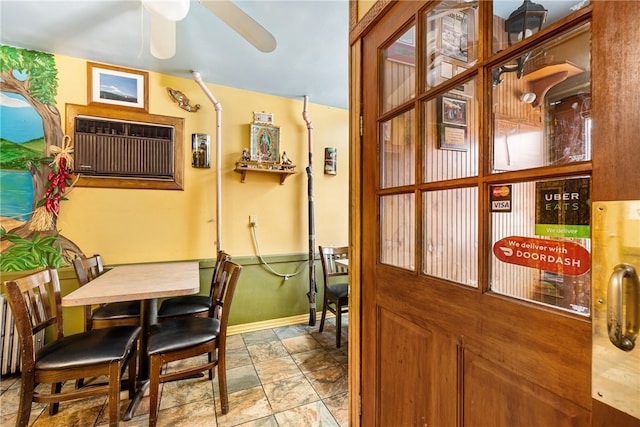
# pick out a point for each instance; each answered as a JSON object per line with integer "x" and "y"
{"x": 622, "y": 335}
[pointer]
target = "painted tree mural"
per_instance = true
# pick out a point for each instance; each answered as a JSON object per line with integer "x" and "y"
{"x": 37, "y": 242}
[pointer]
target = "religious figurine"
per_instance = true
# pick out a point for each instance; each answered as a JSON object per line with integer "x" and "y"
{"x": 285, "y": 159}
{"x": 245, "y": 155}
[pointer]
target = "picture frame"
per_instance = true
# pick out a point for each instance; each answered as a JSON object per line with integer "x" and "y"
{"x": 454, "y": 37}
{"x": 452, "y": 123}
{"x": 117, "y": 87}
{"x": 265, "y": 143}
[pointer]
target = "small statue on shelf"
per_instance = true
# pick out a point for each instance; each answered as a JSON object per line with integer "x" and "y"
{"x": 245, "y": 155}
{"x": 285, "y": 159}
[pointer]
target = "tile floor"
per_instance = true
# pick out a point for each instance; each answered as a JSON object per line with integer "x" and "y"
{"x": 286, "y": 376}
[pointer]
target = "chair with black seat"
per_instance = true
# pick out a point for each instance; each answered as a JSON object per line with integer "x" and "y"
{"x": 105, "y": 315}
{"x": 188, "y": 337}
{"x": 36, "y": 304}
{"x": 192, "y": 305}
{"x": 336, "y": 286}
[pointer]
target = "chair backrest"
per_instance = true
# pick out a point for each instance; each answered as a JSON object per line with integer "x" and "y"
{"x": 36, "y": 304}
{"x": 328, "y": 257}
{"x": 87, "y": 269}
{"x": 225, "y": 286}
{"x": 220, "y": 259}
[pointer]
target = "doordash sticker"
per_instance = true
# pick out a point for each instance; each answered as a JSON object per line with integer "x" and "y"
{"x": 566, "y": 258}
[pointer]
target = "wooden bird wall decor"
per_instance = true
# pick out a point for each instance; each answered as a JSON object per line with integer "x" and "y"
{"x": 182, "y": 100}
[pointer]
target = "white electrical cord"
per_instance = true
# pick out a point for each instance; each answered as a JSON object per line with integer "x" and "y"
{"x": 266, "y": 264}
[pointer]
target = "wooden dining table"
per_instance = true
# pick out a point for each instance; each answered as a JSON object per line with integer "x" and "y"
{"x": 146, "y": 283}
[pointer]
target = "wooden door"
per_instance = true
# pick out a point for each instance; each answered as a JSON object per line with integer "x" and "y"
{"x": 451, "y": 335}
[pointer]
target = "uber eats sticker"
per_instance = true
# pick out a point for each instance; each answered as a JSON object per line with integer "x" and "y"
{"x": 562, "y": 208}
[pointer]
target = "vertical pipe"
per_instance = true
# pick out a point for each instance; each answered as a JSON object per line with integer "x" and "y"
{"x": 218, "y": 108}
{"x": 312, "y": 236}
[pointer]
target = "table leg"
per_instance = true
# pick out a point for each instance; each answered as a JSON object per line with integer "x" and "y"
{"x": 148, "y": 316}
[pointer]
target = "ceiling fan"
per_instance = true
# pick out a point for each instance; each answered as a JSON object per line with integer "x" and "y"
{"x": 165, "y": 13}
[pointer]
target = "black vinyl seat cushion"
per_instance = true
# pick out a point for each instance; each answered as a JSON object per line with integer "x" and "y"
{"x": 116, "y": 310}
{"x": 88, "y": 348}
{"x": 185, "y": 305}
{"x": 340, "y": 290}
{"x": 182, "y": 333}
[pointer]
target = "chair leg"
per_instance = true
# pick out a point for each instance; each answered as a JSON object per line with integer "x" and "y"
{"x": 222, "y": 383}
{"x": 26, "y": 399}
{"x": 114, "y": 394}
{"x": 338, "y": 323}
{"x": 212, "y": 373}
{"x": 154, "y": 389}
{"x": 53, "y": 407}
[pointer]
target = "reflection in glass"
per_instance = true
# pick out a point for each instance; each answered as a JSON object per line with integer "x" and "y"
{"x": 543, "y": 116}
{"x": 451, "y": 235}
{"x": 398, "y": 71}
{"x": 397, "y": 159}
{"x": 450, "y": 144}
{"x": 451, "y": 40}
{"x": 397, "y": 230}
{"x": 502, "y": 9}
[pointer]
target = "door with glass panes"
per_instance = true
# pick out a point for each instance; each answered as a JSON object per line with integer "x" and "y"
{"x": 476, "y": 217}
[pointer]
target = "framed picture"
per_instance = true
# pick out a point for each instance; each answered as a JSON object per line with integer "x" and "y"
{"x": 117, "y": 87}
{"x": 265, "y": 143}
{"x": 263, "y": 118}
{"x": 452, "y": 123}
{"x": 454, "y": 38}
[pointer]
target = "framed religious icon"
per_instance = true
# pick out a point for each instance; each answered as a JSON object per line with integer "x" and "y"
{"x": 265, "y": 143}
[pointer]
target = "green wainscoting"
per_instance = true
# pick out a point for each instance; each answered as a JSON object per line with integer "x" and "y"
{"x": 261, "y": 297}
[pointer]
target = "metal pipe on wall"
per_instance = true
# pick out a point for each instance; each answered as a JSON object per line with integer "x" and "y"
{"x": 218, "y": 108}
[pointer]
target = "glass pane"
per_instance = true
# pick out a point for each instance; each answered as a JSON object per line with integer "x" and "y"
{"x": 450, "y": 224}
{"x": 540, "y": 240}
{"x": 502, "y": 10}
{"x": 398, "y": 71}
{"x": 397, "y": 159}
{"x": 542, "y": 105}
{"x": 451, "y": 135}
{"x": 451, "y": 40}
{"x": 397, "y": 230}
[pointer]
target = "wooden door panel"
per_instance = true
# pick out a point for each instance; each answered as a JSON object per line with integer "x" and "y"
{"x": 438, "y": 353}
{"x": 416, "y": 364}
{"x": 496, "y": 397}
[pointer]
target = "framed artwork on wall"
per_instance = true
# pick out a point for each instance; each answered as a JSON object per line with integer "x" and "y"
{"x": 117, "y": 87}
{"x": 452, "y": 123}
{"x": 265, "y": 143}
{"x": 454, "y": 37}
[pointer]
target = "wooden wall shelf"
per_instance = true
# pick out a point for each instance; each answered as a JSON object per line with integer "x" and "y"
{"x": 276, "y": 168}
{"x": 546, "y": 77}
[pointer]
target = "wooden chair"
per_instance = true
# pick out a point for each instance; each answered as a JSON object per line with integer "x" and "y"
{"x": 105, "y": 315}
{"x": 188, "y": 337}
{"x": 336, "y": 286}
{"x": 192, "y": 305}
{"x": 36, "y": 304}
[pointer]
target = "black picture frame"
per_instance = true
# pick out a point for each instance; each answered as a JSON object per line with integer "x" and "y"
{"x": 452, "y": 123}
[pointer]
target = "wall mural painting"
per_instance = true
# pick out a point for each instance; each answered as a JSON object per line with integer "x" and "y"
{"x": 35, "y": 163}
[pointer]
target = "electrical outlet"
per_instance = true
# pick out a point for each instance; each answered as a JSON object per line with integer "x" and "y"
{"x": 253, "y": 220}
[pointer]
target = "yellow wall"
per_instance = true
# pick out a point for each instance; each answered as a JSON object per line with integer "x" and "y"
{"x": 364, "y": 6}
{"x": 128, "y": 226}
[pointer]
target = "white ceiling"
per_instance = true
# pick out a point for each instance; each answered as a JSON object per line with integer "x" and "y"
{"x": 311, "y": 57}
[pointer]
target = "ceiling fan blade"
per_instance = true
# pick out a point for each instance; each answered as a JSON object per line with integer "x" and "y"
{"x": 242, "y": 23}
{"x": 162, "y": 36}
{"x": 174, "y": 10}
